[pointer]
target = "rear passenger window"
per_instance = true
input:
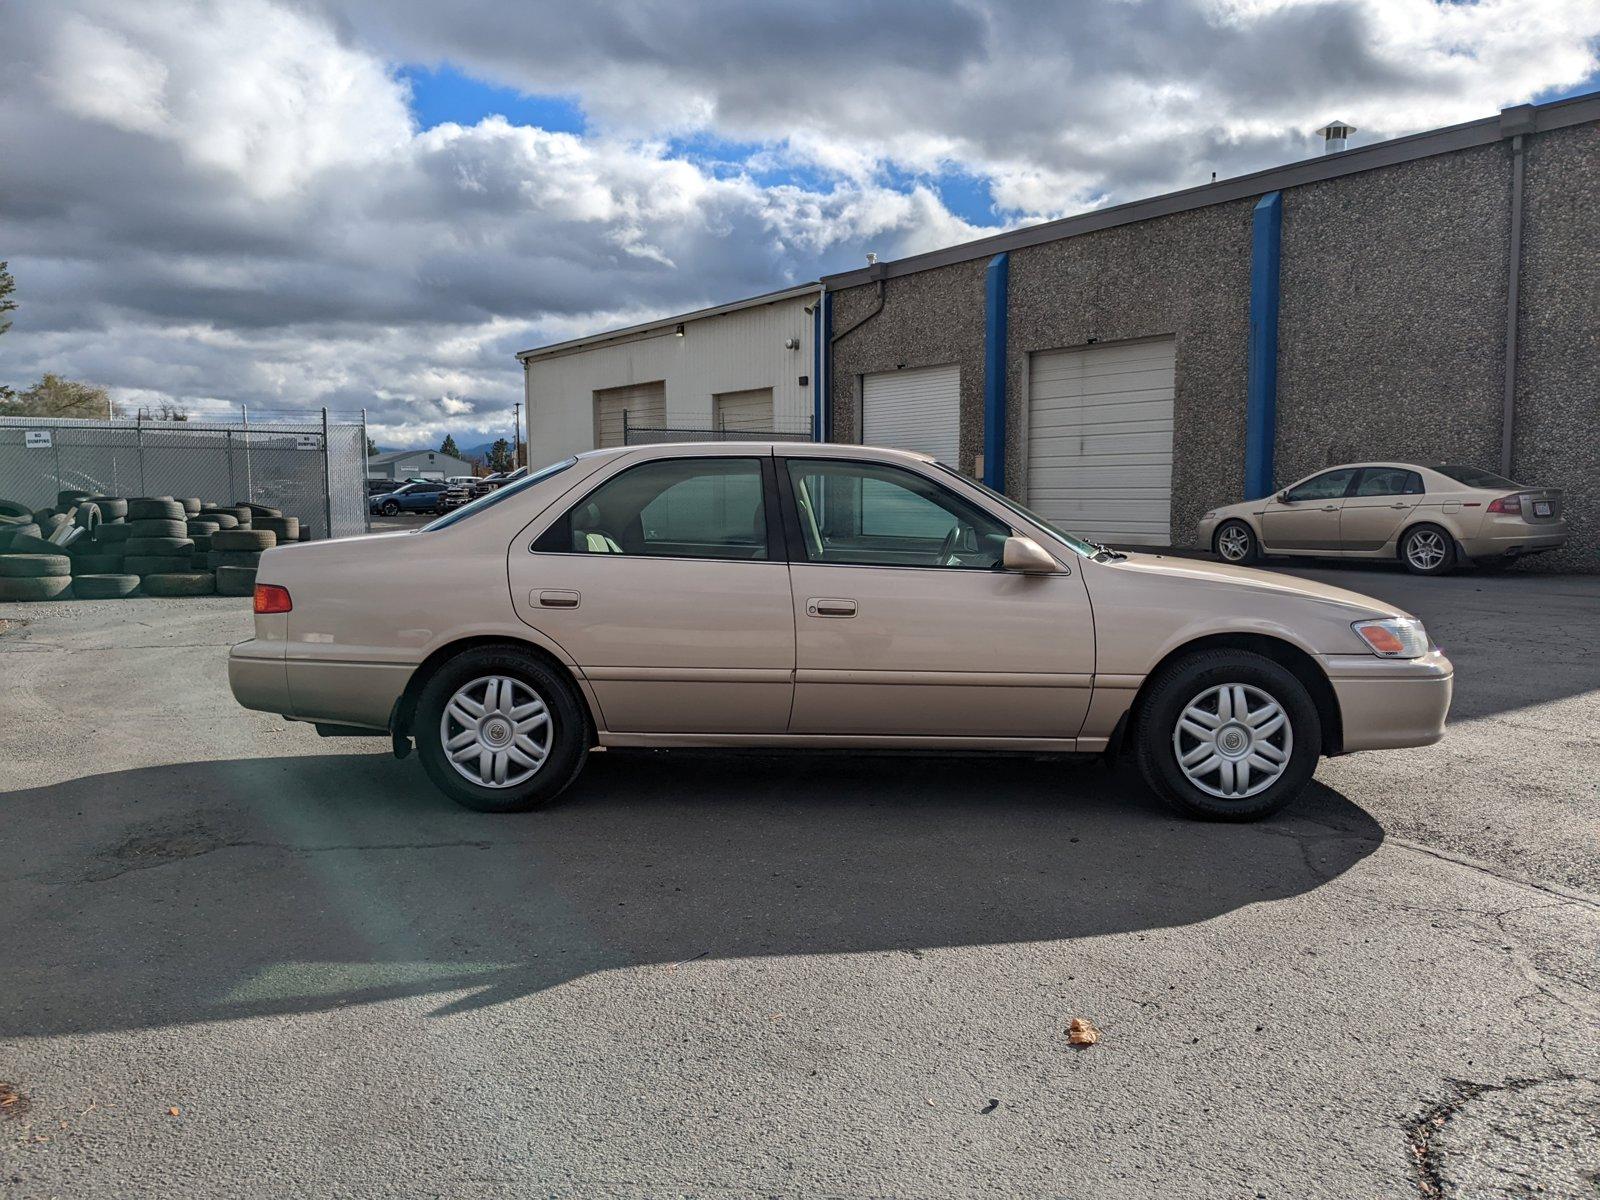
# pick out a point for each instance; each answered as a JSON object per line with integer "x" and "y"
{"x": 1389, "y": 481}
{"x": 674, "y": 508}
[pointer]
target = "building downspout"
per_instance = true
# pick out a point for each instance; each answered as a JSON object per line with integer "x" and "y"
{"x": 1513, "y": 119}
{"x": 881, "y": 272}
{"x": 819, "y": 360}
{"x": 1261, "y": 394}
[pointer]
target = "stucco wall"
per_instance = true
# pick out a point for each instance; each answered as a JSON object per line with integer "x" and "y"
{"x": 1558, "y": 382}
{"x": 732, "y": 352}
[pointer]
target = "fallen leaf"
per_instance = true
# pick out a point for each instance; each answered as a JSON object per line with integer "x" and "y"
{"x": 1081, "y": 1032}
{"x": 174, "y": 1111}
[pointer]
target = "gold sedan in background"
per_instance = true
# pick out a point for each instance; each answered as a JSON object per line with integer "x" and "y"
{"x": 1430, "y": 518}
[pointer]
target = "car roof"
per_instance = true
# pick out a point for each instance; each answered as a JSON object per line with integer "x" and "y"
{"x": 809, "y": 449}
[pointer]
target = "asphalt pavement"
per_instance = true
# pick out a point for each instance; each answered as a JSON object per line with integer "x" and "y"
{"x": 243, "y": 960}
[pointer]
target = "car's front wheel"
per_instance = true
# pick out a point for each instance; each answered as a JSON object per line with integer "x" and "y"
{"x": 1235, "y": 542}
{"x": 1227, "y": 735}
{"x": 498, "y": 730}
{"x": 390, "y": 508}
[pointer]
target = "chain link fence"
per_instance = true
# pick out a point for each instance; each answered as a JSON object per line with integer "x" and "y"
{"x": 314, "y": 470}
{"x": 649, "y": 435}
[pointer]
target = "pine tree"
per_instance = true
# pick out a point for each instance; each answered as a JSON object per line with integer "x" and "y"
{"x": 448, "y": 446}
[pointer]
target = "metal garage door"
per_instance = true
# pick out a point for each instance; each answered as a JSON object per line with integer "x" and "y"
{"x": 1100, "y": 440}
{"x": 914, "y": 410}
{"x": 645, "y": 404}
{"x": 749, "y": 411}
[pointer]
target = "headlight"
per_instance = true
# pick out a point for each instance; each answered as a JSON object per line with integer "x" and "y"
{"x": 1394, "y": 637}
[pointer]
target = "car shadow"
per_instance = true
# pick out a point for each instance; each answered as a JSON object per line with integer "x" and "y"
{"x": 219, "y": 890}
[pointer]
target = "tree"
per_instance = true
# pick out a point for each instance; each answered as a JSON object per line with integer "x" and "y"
{"x": 448, "y": 446}
{"x": 500, "y": 456}
{"x": 54, "y": 396}
{"x": 372, "y": 447}
{"x": 8, "y": 285}
{"x": 163, "y": 411}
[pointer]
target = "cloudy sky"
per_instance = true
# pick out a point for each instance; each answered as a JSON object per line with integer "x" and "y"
{"x": 295, "y": 203}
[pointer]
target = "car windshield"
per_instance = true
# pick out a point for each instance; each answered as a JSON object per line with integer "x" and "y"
{"x": 1475, "y": 478}
{"x": 1076, "y": 544}
{"x": 490, "y": 499}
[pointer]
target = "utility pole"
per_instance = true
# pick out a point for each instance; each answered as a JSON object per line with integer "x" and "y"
{"x": 516, "y": 434}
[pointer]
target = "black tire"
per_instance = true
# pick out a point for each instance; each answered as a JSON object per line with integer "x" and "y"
{"x": 147, "y": 509}
{"x": 11, "y": 533}
{"x": 197, "y": 527}
{"x": 286, "y": 529}
{"x": 233, "y": 558}
{"x": 109, "y": 586}
{"x": 111, "y": 507}
{"x": 180, "y": 583}
{"x": 44, "y": 516}
{"x": 88, "y": 516}
{"x": 34, "y": 566}
{"x": 569, "y": 742}
{"x": 40, "y": 587}
{"x": 259, "y": 510}
{"x": 96, "y": 564}
{"x": 145, "y": 528}
{"x": 118, "y": 534}
{"x": 236, "y": 581}
{"x": 1186, "y": 681}
{"x": 1237, "y": 532}
{"x": 389, "y": 508}
{"x": 1438, "y": 540}
{"x": 12, "y": 508}
{"x": 153, "y": 564}
{"x": 243, "y": 539}
{"x": 68, "y": 498}
{"x": 191, "y": 505}
{"x": 223, "y": 520}
{"x": 27, "y": 543}
{"x": 158, "y": 545}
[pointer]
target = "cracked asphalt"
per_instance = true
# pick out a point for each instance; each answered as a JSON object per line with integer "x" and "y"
{"x": 238, "y": 959}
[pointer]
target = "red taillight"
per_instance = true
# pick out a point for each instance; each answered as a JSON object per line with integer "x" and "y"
{"x": 270, "y": 598}
{"x": 1506, "y": 504}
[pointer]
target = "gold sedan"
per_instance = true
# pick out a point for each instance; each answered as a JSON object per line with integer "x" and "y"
{"x": 822, "y": 597}
{"x": 1429, "y": 518}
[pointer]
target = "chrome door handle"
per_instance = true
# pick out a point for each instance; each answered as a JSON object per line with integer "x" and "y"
{"x": 551, "y": 598}
{"x": 1330, "y": 508}
{"x": 1397, "y": 506}
{"x": 824, "y": 606}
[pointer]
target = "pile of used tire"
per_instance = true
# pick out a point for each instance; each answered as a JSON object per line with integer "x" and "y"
{"x": 100, "y": 547}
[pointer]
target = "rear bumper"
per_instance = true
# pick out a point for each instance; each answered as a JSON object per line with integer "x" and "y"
{"x": 259, "y": 677}
{"x": 1385, "y": 704}
{"x": 1494, "y": 541}
{"x": 361, "y": 694}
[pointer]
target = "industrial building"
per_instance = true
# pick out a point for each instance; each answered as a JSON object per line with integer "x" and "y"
{"x": 1433, "y": 297}
{"x": 416, "y": 464}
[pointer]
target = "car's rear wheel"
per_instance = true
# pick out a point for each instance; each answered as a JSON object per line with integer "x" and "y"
{"x": 498, "y": 730}
{"x": 1235, "y": 542}
{"x": 1428, "y": 550}
{"x": 390, "y": 508}
{"x": 1228, "y": 735}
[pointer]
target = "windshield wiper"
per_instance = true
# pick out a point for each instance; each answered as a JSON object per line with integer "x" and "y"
{"x": 1105, "y": 553}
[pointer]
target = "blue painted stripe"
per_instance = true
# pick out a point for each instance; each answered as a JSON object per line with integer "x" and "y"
{"x": 995, "y": 287}
{"x": 816, "y": 369}
{"x": 1261, "y": 397}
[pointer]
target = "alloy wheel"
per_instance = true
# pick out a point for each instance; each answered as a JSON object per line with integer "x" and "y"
{"x": 1233, "y": 741}
{"x": 1234, "y": 543}
{"x": 496, "y": 732}
{"x": 1425, "y": 549}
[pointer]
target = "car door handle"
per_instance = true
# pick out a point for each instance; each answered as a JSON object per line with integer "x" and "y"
{"x": 551, "y": 598}
{"x": 1330, "y": 508}
{"x": 825, "y": 606}
{"x": 1401, "y": 505}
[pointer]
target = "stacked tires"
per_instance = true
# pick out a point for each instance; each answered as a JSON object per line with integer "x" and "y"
{"x": 103, "y": 547}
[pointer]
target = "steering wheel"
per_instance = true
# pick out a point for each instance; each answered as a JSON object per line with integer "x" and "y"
{"x": 957, "y": 541}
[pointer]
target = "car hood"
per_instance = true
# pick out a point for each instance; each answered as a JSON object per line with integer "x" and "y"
{"x": 1250, "y": 580}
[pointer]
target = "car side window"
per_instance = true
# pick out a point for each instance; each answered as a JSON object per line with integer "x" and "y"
{"x": 873, "y": 514}
{"x": 1330, "y": 485}
{"x": 671, "y": 508}
{"x": 1389, "y": 481}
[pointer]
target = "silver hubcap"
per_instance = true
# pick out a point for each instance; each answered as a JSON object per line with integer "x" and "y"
{"x": 495, "y": 732}
{"x": 1233, "y": 741}
{"x": 1234, "y": 543}
{"x": 1425, "y": 549}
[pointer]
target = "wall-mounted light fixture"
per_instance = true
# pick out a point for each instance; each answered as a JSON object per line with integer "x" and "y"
{"x": 678, "y": 332}
{"x": 791, "y": 343}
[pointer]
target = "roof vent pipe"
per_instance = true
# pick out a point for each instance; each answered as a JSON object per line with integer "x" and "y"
{"x": 872, "y": 258}
{"x": 1335, "y": 136}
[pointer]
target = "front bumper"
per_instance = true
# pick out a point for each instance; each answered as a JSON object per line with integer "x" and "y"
{"x": 1385, "y": 704}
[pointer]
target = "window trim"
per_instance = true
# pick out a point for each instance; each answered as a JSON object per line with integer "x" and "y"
{"x": 777, "y": 543}
{"x": 796, "y": 539}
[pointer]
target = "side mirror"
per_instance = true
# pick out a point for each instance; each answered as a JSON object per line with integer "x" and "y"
{"x": 1283, "y": 497}
{"x": 1026, "y": 556}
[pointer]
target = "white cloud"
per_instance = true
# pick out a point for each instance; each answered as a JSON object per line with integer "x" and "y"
{"x": 226, "y": 203}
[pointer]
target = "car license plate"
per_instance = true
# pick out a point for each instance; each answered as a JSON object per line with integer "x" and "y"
{"x": 1541, "y": 508}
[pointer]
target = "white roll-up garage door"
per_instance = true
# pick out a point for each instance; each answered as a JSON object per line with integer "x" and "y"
{"x": 914, "y": 410}
{"x": 645, "y": 404}
{"x": 1100, "y": 440}
{"x": 743, "y": 412}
